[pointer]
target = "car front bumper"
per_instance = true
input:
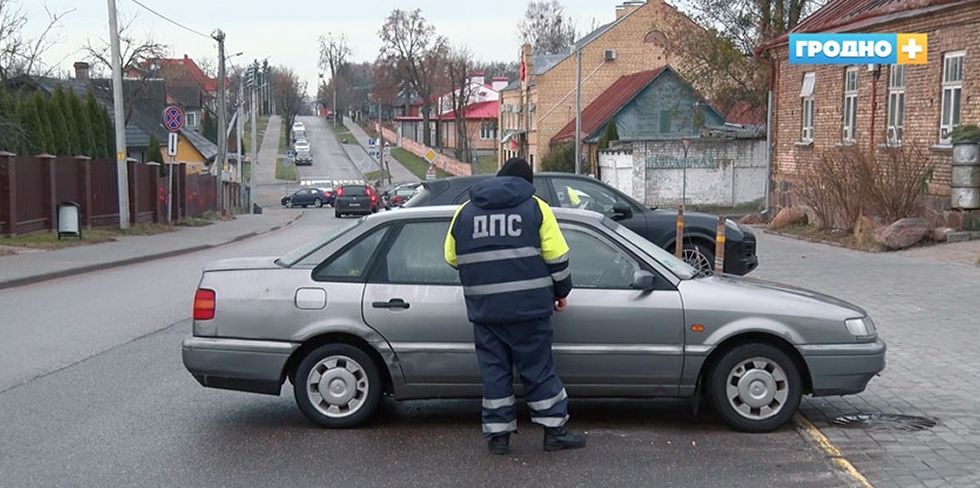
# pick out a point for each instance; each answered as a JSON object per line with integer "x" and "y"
{"x": 843, "y": 369}
{"x": 237, "y": 364}
{"x": 740, "y": 257}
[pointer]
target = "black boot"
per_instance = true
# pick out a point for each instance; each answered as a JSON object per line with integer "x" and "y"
{"x": 499, "y": 444}
{"x": 558, "y": 438}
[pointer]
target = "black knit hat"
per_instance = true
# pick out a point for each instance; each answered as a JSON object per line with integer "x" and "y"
{"x": 517, "y": 167}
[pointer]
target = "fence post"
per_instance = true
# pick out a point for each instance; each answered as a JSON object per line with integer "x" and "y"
{"x": 11, "y": 180}
{"x": 133, "y": 185}
{"x": 50, "y": 184}
{"x": 86, "y": 163}
{"x": 720, "y": 245}
{"x": 679, "y": 243}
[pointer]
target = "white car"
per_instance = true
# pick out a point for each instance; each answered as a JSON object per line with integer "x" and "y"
{"x": 297, "y": 126}
{"x": 302, "y": 146}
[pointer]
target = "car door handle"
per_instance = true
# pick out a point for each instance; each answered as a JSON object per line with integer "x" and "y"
{"x": 393, "y": 303}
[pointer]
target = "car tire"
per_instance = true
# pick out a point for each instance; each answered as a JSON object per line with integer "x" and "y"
{"x": 762, "y": 374}
{"x": 336, "y": 213}
{"x": 318, "y": 203}
{"x": 289, "y": 204}
{"x": 699, "y": 256}
{"x": 355, "y": 386}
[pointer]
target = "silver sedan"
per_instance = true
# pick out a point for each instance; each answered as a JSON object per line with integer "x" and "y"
{"x": 371, "y": 309}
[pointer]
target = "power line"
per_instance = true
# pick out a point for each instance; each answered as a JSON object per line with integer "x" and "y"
{"x": 168, "y": 19}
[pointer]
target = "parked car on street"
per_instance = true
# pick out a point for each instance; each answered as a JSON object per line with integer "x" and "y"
{"x": 657, "y": 225}
{"x": 304, "y": 158}
{"x": 399, "y": 195}
{"x": 371, "y": 309}
{"x": 305, "y": 197}
{"x": 356, "y": 199}
{"x": 302, "y": 146}
{"x": 299, "y": 135}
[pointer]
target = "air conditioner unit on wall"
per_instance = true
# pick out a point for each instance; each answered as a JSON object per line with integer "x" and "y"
{"x": 610, "y": 54}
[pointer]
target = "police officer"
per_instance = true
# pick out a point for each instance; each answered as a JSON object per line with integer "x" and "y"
{"x": 513, "y": 264}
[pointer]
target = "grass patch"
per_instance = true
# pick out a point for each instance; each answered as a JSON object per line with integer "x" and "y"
{"x": 841, "y": 238}
{"x": 374, "y": 175}
{"x": 261, "y": 123}
{"x": 415, "y": 164}
{"x": 49, "y": 240}
{"x": 485, "y": 165}
{"x": 285, "y": 169}
{"x": 343, "y": 135}
{"x": 740, "y": 209}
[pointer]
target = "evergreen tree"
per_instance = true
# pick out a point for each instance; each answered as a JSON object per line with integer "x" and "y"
{"x": 30, "y": 121}
{"x": 45, "y": 133}
{"x": 110, "y": 135}
{"x": 210, "y": 129}
{"x": 9, "y": 125}
{"x": 153, "y": 152}
{"x": 59, "y": 129}
{"x": 86, "y": 137}
{"x": 96, "y": 116}
{"x": 611, "y": 134}
{"x": 72, "y": 135}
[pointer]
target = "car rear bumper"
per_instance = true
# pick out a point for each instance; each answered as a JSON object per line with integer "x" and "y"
{"x": 843, "y": 369}
{"x": 347, "y": 209}
{"x": 237, "y": 364}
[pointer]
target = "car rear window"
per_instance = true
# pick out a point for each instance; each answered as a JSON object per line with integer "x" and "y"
{"x": 355, "y": 190}
{"x": 296, "y": 255}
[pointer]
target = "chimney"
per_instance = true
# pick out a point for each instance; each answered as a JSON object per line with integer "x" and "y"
{"x": 499, "y": 82}
{"x": 81, "y": 70}
{"x": 627, "y": 8}
{"x": 478, "y": 77}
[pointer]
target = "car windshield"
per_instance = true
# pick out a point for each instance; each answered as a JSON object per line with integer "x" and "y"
{"x": 354, "y": 190}
{"x": 676, "y": 265}
{"x": 297, "y": 255}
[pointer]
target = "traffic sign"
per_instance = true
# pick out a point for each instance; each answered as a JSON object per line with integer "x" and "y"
{"x": 430, "y": 156}
{"x": 430, "y": 174}
{"x": 173, "y": 118}
{"x": 172, "y": 144}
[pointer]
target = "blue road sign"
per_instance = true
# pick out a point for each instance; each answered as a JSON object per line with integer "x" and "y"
{"x": 173, "y": 118}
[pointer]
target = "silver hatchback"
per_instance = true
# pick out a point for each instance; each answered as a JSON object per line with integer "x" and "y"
{"x": 372, "y": 310}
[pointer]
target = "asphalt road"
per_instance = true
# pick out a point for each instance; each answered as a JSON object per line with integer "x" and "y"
{"x": 329, "y": 159}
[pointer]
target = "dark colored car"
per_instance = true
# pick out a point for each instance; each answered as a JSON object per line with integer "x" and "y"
{"x": 356, "y": 199}
{"x": 399, "y": 195}
{"x": 305, "y": 197}
{"x": 304, "y": 158}
{"x": 656, "y": 225}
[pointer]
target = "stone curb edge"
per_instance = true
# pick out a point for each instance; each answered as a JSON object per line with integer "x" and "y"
{"x": 30, "y": 280}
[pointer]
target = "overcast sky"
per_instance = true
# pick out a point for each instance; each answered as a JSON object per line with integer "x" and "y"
{"x": 286, "y": 31}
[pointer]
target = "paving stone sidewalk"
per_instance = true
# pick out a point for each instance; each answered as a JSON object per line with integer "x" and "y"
{"x": 366, "y": 163}
{"x": 33, "y": 267}
{"x": 928, "y": 311}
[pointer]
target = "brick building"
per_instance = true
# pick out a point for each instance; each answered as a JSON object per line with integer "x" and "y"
{"x": 819, "y": 107}
{"x": 534, "y": 112}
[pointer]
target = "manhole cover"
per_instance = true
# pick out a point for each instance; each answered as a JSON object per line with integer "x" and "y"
{"x": 910, "y": 423}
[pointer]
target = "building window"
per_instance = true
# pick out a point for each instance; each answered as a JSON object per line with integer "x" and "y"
{"x": 488, "y": 130}
{"x": 896, "y": 105}
{"x": 806, "y": 102}
{"x": 850, "y": 104}
{"x": 952, "y": 92}
{"x": 192, "y": 119}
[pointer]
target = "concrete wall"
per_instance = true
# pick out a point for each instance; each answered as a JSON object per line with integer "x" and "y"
{"x": 446, "y": 163}
{"x": 725, "y": 172}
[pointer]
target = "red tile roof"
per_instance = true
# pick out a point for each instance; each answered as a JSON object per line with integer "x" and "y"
{"x": 608, "y": 103}
{"x": 481, "y": 110}
{"x": 206, "y": 83}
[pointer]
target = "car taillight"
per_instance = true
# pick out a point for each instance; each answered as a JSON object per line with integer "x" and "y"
{"x": 340, "y": 191}
{"x": 204, "y": 301}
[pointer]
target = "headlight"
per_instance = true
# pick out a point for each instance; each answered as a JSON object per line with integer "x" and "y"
{"x": 862, "y": 327}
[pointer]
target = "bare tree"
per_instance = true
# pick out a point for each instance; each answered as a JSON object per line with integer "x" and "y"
{"x": 459, "y": 65}
{"x": 334, "y": 51}
{"x": 410, "y": 47}
{"x": 546, "y": 27}
{"x": 290, "y": 96}
{"x": 23, "y": 55}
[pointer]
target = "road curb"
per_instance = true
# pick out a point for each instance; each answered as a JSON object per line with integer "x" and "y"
{"x": 834, "y": 455}
{"x": 30, "y": 280}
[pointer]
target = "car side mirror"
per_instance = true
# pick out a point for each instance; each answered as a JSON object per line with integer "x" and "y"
{"x": 644, "y": 280}
{"x": 622, "y": 211}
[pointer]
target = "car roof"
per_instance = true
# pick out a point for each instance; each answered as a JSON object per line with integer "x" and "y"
{"x": 444, "y": 211}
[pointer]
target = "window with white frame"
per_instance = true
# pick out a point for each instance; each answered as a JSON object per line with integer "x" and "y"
{"x": 192, "y": 119}
{"x": 850, "y": 104}
{"x": 949, "y": 118}
{"x": 896, "y": 105}
{"x": 488, "y": 130}
{"x": 806, "y": 102}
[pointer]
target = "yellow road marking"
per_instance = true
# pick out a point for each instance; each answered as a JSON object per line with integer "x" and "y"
{"x": 831, "y": 451}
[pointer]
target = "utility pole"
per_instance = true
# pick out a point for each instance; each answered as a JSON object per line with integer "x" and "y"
{"x": 118, "y": 109}
{"x": 253, "y": 168}
{"x": 239, "y": 105}
{"x": 221, "y": 158}
{"x": 578, "y": 112}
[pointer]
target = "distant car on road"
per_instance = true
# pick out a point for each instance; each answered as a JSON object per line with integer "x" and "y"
{"x": 372, "y": 309}
{"x": 302, "y": 146}
{"x": 657, "y": 225}
{"x": 304, "y": 158}
{"x": 305, "y": 197}
{"x": 399, "y": 195}
{"x": 354, "y": 199}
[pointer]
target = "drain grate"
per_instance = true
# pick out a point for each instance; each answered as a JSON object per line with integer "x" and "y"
{"x": 909, "y": 423}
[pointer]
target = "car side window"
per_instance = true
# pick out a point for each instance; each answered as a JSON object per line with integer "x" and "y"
{"x": 351, "y": 263}
{"x": 416, "y": 256}
{"x": 595, "y": 263}
{"x": 584, "y": 194}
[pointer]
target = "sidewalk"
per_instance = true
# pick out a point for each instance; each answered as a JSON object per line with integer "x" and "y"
{"x": 399, "y": 173}
{"x": 34, "y": 267}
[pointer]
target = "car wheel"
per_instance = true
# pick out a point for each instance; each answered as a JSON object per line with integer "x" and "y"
{"x": 336, "y": 213}
{"x": 289, "y": 204}
{"x": 699, "y": 256}
{"x": 755, "y": 387}
{"x": 318, "y": 203}
{"x": 339, "y": 386}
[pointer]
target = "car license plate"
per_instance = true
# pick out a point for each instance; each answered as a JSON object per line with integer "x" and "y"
{"x": 355, "y": 204}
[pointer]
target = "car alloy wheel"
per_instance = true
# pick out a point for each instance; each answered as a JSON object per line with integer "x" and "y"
{"x": 318, "y": 203}
{"x": 699, "y": 257}
{"x": 755, "y": 387}
{"x": 289, "y": 204}
{"x": 338, "y": 386}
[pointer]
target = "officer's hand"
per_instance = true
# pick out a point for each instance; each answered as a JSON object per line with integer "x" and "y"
{"x": 560, "y": 304}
